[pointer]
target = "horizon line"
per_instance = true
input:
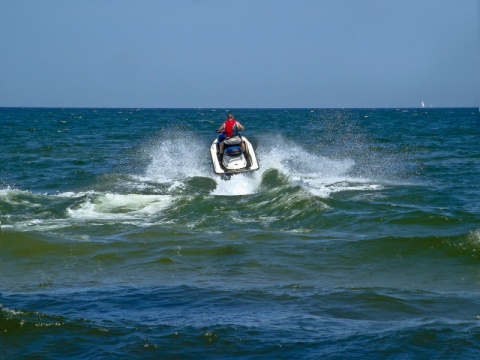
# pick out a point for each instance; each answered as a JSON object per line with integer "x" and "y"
{"x": 239, "y": 108}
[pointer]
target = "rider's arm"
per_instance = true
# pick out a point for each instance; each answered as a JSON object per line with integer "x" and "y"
{"x": 221, "y": 128}
{"x": 240, "y": 127}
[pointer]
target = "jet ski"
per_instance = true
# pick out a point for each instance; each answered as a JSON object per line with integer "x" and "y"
{"x": 234, "y": 160}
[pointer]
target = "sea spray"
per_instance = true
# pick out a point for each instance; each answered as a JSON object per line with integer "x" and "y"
{"x": 313, "y": 171}
{"x": 240, "y": 184}
{"x": 177, "y": 156}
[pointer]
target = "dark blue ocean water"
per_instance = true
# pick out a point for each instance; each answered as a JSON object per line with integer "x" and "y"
{"x": 359, "y": 237}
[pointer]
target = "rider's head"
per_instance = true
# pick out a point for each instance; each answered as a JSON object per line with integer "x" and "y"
{"x": 230, "y": 116}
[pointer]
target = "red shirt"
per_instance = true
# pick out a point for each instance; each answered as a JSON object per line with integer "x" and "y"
{"x": 230, "y": 127}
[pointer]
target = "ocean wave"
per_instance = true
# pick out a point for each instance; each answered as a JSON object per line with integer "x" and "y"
{"x": 235, "y": 322}
{"x": 43, "y": 212}
{"x": 109, "y": 206}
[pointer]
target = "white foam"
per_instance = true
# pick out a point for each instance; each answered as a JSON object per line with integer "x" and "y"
{"x": 97, "y": 208}
{"x": 9, "y": 191}
{"x": 474, "y": 238}
{"x": 119, "y": 207}
{"x": 240, "y": 184}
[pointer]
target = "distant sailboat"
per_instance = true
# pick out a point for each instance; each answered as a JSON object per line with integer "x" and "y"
{"x": 422, "y": 105}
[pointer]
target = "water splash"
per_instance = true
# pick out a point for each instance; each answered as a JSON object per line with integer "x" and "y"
{"x": 177, "y": 156}
{"x": 317, "y": 174}
{"x": 172, "y": 163}
{"x": 241, "y": 184}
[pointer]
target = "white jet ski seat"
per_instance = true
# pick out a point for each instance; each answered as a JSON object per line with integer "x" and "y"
{"x": 234, "y": 140}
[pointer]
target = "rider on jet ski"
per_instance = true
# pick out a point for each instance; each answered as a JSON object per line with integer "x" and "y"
{"x": 229, "y": 130}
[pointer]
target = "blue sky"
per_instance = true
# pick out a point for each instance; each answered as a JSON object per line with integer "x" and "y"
{"x": 239, "y": 53}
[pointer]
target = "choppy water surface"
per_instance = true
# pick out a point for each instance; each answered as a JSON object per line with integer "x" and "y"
{"x": 359, "y": 237}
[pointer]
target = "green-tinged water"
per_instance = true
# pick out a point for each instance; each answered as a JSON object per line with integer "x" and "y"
{"x": 358, "y": 237}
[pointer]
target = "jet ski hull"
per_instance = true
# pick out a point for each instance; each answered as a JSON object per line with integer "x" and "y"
{"x": 230, "y": 165}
